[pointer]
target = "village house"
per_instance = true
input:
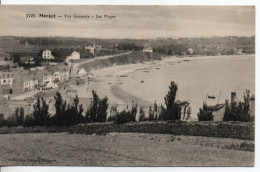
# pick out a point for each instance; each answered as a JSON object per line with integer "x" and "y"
{"x": 82, "y": 72}
{"x": 46, "y": 54}
{"x": 98, "y": 47}
{"x": 147, "y": 49}
{"x": 29, "y": 83}
{"x": 91, "y": 49}
{"x": 74, "y": 56}
{"x": 57, "y": 74}
{"x": 25, "y": 82}
{"x": 6, "y": 81}
{"x": 190, "y": 51}
{"x": 7, "y": 61}
{"x": 64, "y": 72}
{"x": 27, "y": 60}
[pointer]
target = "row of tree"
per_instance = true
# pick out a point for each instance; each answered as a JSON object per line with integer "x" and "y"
{"x": 71, "y": 114}
{"x": 65, "y": 115}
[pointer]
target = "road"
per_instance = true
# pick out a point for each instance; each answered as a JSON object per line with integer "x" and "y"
{"x": 75, "y": 67}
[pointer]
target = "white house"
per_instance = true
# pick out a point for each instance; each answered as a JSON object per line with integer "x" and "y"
{"x": 47, "y": 78}
{"x": 190, "y": 51}
{"x": 91, "y": 48}
{"x": 147, "y": 49}
{"x": 74, "y": 56}
{"x": 51, "y": 85}
{"x": 46, "y": 54}
{"x": 82, "y": 72}
{"x": 7, "y": 78}
{"x": 29, "y": 84}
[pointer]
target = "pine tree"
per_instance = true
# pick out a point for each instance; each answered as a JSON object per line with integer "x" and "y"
{"x": 41, "y": 114}
{"x": 61, "y": 107}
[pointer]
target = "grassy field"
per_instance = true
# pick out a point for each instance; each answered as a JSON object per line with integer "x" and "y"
{"x": 120, "y": 149}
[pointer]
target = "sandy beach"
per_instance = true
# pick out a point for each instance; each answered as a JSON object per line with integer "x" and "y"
{"x": 148, "y": 82}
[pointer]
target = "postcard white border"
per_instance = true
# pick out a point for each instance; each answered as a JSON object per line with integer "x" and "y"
{"x": 155, "y": 2}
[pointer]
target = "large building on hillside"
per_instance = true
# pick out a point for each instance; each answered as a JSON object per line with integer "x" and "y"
{"x": 74, "y": 56}
{"x": 6, "y": 81}
{"x": 46, "y": 54}
{"x": 27, "y": 60}
{"x": 147, "y": 49}
{"x": 91, "y": 49}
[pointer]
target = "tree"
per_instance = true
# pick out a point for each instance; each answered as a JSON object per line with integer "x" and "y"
{"x": 155, "y": 107}
{"x": 102, "y": 110}
{"x": 19, "y": 115}
{"x": 172, "y": 109}
{"x": 74, "y": 112}
{"x": 2, "y": 120}
{"x": 206, "y": 113}
{"x": 98, "y": 109}
{"x": 151, "y": 114}
{"x": 61, "y": 107}
{"x": 133, "y": 111}
{"x": 142, "y": 114}
{"x": 16, "y": 58}
{"x": 40, "y": 114}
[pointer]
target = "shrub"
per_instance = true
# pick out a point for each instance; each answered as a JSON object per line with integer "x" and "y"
{"x": 11, "y": 121}
{"x": 206, "y": 113}
{"x": 14, "y": 120}
{"x": 127, "y": 116}
{"x": 111, "y": 118}
{"x": 28, "y": 121}
{"x": 238, "y": 111}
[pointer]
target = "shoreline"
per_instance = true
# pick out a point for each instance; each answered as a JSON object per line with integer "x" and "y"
{"x": 119, "y": 72}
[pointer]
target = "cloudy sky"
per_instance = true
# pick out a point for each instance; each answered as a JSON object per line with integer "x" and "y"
{"x": 130, "y": 22}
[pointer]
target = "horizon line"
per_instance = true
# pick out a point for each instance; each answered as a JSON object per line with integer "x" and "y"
{"x": 126, "y": 37}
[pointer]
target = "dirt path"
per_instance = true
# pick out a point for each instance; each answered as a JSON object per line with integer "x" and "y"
{"x": 125, "y": 149}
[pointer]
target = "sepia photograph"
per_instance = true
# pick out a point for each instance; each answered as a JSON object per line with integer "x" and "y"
{"x": 127, "y": 85}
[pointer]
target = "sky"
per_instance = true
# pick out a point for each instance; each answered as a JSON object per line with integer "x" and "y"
{"x": 140, "y": 22}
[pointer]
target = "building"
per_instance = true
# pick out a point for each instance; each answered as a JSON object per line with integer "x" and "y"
{"x": 51, "y": 85}
{"x": 190, "y": 51}
{"x": 91, "y": 49}
{"x": 64, "y": 72}
{"x": 46, "y": 54}
{"x": 82, "y": 72}
{"x": 6, "y": 81}
{"x": 98, "y": 47}
{"x": 6, "y": 61}
{"x": 27, "y": 60}
{"x": 74, "y": 56}
{"x": 147, "y": 49}
{"x": 25, "y": 82}
{"x": 29, "y": 83}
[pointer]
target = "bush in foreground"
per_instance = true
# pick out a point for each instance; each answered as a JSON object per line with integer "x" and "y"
{"x": 238, "y": 111}
{"x": 126, "y": 116}
{"x": 205, "y": 114}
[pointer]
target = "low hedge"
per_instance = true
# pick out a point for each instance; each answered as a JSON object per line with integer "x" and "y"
{"x": 237, "y": 130}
